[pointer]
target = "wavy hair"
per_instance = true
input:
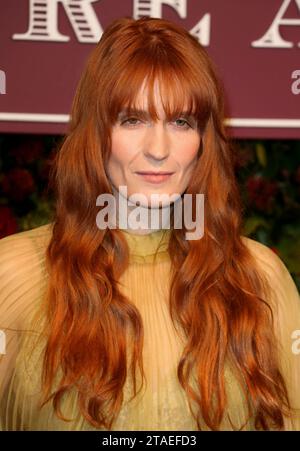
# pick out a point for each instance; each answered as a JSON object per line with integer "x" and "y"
{"x": 219, "y": 302}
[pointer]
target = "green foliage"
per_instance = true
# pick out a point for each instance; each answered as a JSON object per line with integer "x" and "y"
{"x": 26, "y": 200}
{"x": 269, "y": 176}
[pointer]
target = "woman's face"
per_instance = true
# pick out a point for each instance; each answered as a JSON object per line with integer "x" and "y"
{"x": 140, "y": 145}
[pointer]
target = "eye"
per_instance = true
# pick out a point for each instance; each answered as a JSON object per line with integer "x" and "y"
{"x": 130, "y": 121}
{"x": 184, "y": 124}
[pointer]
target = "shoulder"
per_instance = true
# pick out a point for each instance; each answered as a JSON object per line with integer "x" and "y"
{"x": 31, "y": 243}
{"x": 23, "y": 275}
{"x": 264, "y": 254}
{"x": 22, "y": 255}
{"x": 274, "y": 269}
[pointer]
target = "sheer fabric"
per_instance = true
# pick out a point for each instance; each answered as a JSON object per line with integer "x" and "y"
{"x": 162, "y": 404}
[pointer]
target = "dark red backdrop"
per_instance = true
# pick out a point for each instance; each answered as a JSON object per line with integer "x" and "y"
{"x": 41, "y": 74}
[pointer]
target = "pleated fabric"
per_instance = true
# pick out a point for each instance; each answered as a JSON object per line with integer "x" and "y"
{"x": 162, "y": 404}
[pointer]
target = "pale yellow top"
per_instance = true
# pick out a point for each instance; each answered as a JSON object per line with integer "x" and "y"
{"x": 162, "y": 405}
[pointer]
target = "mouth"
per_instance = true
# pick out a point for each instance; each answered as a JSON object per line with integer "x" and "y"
{"x": 154, "y": 173}
{"x": 155, "y": 177}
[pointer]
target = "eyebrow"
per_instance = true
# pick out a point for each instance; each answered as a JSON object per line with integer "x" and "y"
{"x": 141, "y": 113}
{"x": 145, "y": 114}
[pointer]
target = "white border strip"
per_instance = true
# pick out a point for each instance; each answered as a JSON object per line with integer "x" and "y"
{"x": 28, "y": 117}
{"x": 266, "y": 123}
{"x": 231, "y": 122}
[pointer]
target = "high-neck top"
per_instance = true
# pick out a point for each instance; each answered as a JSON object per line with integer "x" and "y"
{"x": 162, "y": 404}
{"x": 148, "y": 248}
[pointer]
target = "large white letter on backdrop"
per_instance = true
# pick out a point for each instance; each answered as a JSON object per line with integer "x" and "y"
{"x": 153, "y": 8}
{"x": 43, "y": 18}
{"x": 272, "y": 37}
{"x": 2, "y": 82}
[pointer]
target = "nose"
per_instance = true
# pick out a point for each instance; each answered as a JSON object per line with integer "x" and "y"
{"x": 157, "y": 144}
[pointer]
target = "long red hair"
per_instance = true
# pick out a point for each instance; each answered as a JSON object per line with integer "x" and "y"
{"x": 217, "y": 295}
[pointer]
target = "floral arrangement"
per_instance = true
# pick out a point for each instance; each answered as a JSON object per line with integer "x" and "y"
{"x": 268, "y": 173}
{"x": 269, "y": 177}
{"x": 25, "y": 199}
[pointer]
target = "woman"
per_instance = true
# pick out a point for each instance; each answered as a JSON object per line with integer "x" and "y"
{"x": 140, "y": 328}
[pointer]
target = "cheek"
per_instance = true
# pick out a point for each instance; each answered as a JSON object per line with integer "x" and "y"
{"x": 120, "y": 151}
{"x": 187, "y": 154}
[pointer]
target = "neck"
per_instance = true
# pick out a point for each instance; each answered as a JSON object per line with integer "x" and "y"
{"x": 140, "y": 220}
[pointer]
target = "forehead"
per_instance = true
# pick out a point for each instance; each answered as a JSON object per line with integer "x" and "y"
{"x": 141, "y": 99}
{"x": 158, "y": 99}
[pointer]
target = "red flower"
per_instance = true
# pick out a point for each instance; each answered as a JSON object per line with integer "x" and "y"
{"x": 17, "y": 184}
{"x": 27, "y": 151}
{"x": 8, "y": 223}
{"x": 261, "y": 192}
{"x": 297, "y": 175}
{"x": 244, "y": 156}
{"x": 285, "y": 173}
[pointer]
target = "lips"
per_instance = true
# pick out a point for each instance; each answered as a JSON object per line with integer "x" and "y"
{"x": 154, "y": 173}
{"x": 155, "y": 177}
